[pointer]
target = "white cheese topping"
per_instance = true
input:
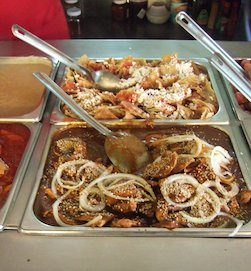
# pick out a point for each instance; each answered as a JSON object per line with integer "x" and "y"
{"x": 88, "y": 99}
{"x": 184, "y": 69}
{"x": 157, "y": 97}
{"x": 137, "y": 74}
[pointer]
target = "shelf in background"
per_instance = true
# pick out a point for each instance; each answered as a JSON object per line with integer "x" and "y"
{"x": 105, "y": 28}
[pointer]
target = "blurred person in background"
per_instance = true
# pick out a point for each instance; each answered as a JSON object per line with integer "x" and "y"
{"x": 44, "y": 18}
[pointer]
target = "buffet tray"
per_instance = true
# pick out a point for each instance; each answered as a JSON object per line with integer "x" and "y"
{"x": 33, "y": 129}
{"x": 221, "y": 116}
{"x": 14, "y": 94}
{"x": 30, "y": 223}
{"x": 239, "y": 112}
{"x": 246, "y": 126}
{"x": 243, "y": 116}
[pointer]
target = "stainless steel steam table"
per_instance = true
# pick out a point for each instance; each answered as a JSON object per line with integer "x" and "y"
{"x": 20, "y": 251}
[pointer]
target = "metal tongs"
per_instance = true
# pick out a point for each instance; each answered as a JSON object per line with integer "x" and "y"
{"x": 220, "y": 59}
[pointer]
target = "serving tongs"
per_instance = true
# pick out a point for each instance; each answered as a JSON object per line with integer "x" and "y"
{"x": 220, "y": 59}
{"x": 103, "y": 79}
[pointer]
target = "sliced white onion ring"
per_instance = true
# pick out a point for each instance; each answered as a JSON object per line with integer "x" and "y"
{"x": 84, "y": 202}
{"x": 227, "y": 194}
{"x": 223, "y": 200}
{"x": 93, "y": 221}
{"x": 66, "y": 183}
{"x": 102, "y": 183}
{"x": 99, "y": 167}
{"x": 55, "y": 206}
{"x": 78, "y": 181}
{"x": 239, "y": 223}
{"x": 220, "y": 159}
{"x": 200, "y": 189}
{"x": 181, "y": 179}
{"x": 216, "y": 204}
{"x": 107, "y": 184}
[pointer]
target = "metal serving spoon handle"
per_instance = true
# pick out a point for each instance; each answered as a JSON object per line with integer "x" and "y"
{"x": 55, "y": 89}
{"x": 220, "y": 59}
{"x": 183, "y": 19}
{"x": 104, "y": 79}
{"x": 126, "y": 151}
{"x": 237, "y": 79}
{"x": 45, "y": 47}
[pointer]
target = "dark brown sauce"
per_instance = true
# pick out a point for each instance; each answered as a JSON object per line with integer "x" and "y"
{"x": 95, "y": 152}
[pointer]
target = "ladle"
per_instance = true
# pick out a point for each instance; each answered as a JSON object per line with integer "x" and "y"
{"x": 126, "y": 151}
{"x": 103, "y": 79}
{"x": 220, "y": 59}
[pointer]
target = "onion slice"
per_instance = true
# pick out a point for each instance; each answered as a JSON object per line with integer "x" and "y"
{"x": 85, "y": 202}
{"x": 201, "y": 189}
{"x": 55, "y": 211}
{"x": 227, "y": 194}
{"x": 216, "y": 203}
{"x": 55, "y": 206}
{"x": 75, "y": 165}
{"x": 104, "y": 184}
{"x": 180, "y": 179}
{"x": 219, "y": 160}
{"x": 239, "y": 223}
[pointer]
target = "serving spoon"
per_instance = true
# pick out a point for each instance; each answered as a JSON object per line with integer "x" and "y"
{"x": 103, "y": 79}
{"x": 220, "y": 59}
{"x": 126, "y": 151}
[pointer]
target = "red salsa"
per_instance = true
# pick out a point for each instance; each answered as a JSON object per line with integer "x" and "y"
{"x": 13, "y": 140}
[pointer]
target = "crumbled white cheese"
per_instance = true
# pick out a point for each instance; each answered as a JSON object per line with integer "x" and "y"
{"x": 157, "y": 97}
{"x": 184, "y": 69}
{"x": 137, "y": 75}
{"x": 88, "y": 99}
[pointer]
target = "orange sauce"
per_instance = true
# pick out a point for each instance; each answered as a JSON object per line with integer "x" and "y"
{"x": 20, "y": 92}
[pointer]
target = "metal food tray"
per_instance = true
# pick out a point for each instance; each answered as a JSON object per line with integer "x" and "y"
{"x": 221, "y": 117}
{"x": 37, "y": 113}
{"x": 240, "y": 113}
{"x": 34, "y": 129}
{"x": 242, "y": 116}
{"x": 30, "y": 224}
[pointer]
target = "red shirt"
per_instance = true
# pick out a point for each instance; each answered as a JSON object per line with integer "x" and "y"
{"x": 44, "y": 18}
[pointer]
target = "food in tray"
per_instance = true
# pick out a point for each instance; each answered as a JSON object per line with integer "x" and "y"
{"x": 168, "y": 88}
{"x": 193, "y": 180}
{"x": 20, "y": 92}
{"x": 13, "y": 141}
{"x": 244, "y": 103}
